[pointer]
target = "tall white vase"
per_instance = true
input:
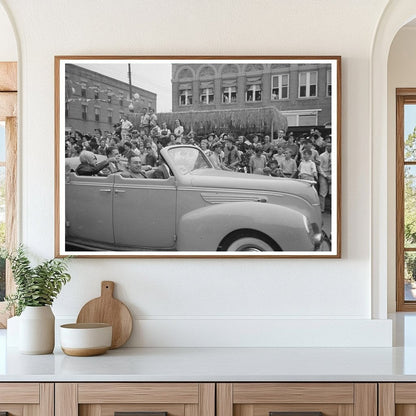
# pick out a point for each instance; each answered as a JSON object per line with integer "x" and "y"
{"x": 37, "y": 330}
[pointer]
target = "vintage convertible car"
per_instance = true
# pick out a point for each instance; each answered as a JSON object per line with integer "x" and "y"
{"x": 192, "y": 207}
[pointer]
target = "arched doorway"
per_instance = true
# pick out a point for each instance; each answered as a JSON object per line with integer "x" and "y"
{"x": 401, "y": 124}
{"x": 396, "y": 15}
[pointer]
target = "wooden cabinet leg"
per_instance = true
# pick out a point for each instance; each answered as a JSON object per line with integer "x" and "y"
{"x": 66, "y": 399}
{"x": 224, "y": 399}
{"x": 386, "y": 399}
{"x": 365, "y": 399}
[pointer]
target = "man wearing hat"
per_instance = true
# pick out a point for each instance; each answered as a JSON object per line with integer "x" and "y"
{"x": 231, "y": 153}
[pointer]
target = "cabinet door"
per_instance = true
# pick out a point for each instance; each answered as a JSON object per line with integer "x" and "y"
{"x": 397, "y": 399}
{"x": 297, "y": 399}
{"x": 141, "y": 399}
{"x": 26, "y": 399}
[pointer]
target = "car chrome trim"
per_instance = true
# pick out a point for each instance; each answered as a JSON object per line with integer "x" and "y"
{"x": 267, "y": 193}
{"x": 233, "y": 191}
{"x": 96, "y": 184}
{"x": 222, "y": 198}
{"x": 97, "y": 246}
{"x": 147, "y": 186}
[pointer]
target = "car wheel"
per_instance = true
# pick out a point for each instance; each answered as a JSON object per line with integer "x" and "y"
{"x": 249, "y": 244}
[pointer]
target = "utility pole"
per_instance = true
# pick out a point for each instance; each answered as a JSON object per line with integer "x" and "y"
{"x": 129, "y": 75}
{"x": 131, "y": 106}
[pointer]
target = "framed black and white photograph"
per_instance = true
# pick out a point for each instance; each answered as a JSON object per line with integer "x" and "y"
{"x": 198, "y": 156}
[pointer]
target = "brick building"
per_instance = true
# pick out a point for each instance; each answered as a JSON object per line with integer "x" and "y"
{"x": 302, "y": 92}
{"x": 96, "y": 101}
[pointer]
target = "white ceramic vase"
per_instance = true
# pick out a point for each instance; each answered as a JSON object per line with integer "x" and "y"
{"x": 37, "y": 330}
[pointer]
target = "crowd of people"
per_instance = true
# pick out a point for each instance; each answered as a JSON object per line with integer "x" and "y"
{"x": 132, "y": 152}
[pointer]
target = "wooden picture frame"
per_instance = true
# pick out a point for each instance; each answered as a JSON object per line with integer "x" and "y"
{"x": 188, "y": 203}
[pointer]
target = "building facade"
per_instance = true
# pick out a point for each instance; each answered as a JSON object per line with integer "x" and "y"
{"x": 95, "y": 101}
{"x": 302, "y": 92}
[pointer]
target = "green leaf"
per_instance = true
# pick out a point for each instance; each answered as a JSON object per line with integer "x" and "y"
{"x": 35, "y": 286}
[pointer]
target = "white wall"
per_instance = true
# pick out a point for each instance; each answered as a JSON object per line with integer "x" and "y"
{"x": 401, "y": 74}
{"x": 8, "y": 46}
{"x": 212, "y": 302}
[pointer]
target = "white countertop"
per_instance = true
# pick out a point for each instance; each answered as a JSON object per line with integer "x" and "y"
{"x": 222, "y": 364}
{"x": 215, "y": 364}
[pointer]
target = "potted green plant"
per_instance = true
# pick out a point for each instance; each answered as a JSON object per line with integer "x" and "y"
{"x": 36, "y": 289}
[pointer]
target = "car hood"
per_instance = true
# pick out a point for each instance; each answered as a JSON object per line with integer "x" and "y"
{"x": 215, "y": 178}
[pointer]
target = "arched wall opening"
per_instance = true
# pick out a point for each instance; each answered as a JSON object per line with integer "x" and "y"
{"x": 401, "y": 73}
{"x": 385, "y": 74}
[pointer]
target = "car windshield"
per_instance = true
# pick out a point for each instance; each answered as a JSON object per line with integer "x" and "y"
{"x": 188, "y": 159}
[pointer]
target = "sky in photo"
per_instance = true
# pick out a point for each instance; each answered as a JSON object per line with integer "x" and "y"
{"x": 154, "y": 77}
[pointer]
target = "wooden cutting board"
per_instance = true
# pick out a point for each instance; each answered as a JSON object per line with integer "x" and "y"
{"x": 107, "y": 309}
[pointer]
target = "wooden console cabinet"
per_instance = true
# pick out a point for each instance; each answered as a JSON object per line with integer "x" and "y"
{"x": 208, "y": 399}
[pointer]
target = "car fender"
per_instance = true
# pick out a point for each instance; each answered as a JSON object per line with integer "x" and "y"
{"x": 204, "y": 228}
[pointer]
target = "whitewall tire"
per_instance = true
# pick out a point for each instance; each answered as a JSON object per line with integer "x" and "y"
{"x": 249, "y": 244}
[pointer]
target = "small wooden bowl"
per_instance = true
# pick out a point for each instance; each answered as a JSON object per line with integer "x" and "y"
{"x": 84, "y": 340}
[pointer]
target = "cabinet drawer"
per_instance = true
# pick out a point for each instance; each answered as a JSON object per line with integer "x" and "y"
{"x": 296, "y": 399}
{"x": 19, "y": 393}
{"x": 144, "y": 399}
{"x": 21, "y": 399}
{"x": 138, "y": 393}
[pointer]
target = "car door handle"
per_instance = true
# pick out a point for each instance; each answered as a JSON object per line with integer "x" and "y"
{"x": 105, "y": 190}
{"x": 264, "y": 200}
{"x": 118, "y": 191}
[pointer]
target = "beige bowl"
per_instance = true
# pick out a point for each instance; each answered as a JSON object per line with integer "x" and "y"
{"x": 83, "y": 340}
